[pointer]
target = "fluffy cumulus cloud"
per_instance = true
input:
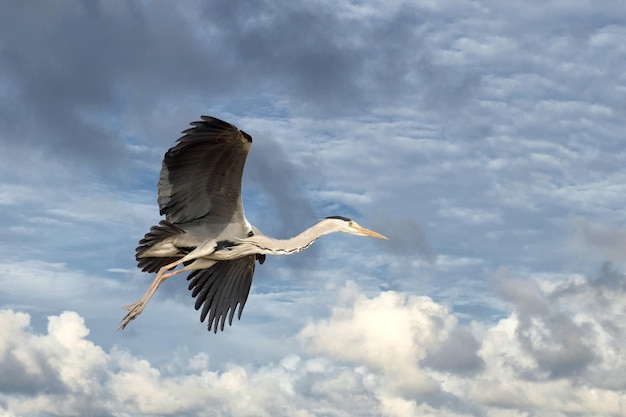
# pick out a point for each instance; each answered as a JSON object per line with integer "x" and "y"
{"x": 557, "y": 353}
{"x": 389, "y": 333}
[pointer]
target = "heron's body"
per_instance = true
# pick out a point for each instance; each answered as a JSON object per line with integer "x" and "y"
{"x": 205, "y": 228}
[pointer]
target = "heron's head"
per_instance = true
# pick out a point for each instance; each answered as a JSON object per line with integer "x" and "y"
{"x": 345, "y": 225}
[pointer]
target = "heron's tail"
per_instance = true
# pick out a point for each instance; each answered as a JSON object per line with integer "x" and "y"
{"x": 154, "y": 252}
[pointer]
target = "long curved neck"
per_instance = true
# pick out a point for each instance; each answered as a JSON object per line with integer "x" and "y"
{"x": 269, "y": 245}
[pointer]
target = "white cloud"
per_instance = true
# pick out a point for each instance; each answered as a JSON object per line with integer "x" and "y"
{"x": 390, "y": 333}
{"x": 79, "y": 378}
{"x": 389, "y": 354}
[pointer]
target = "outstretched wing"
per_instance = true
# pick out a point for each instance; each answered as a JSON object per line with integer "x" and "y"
{"x": 201, "y": 175}
{"x": 220, "y": 288}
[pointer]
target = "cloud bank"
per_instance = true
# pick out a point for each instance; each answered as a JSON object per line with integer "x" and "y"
{"x": 557, "y": 353}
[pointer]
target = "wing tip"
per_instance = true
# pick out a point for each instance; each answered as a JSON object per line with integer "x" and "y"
{"x": 210, "y": 121}
{"x": 222, "y": 291}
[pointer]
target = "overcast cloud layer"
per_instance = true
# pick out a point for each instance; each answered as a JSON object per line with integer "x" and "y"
{"x": 485, "y": 139}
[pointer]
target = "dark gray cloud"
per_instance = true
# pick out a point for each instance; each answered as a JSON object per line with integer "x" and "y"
{"x": 75, "y": 71}
{"x": 565, "y": 351}
{"x": 458, "y": 354}
{"x": 608, "y": 279}
{"x": 271, "y": 175}
{"x": 561, "y": 345}
{"x": 17, "y": 377}
{"x": 331, "y": 63}
{"x": 606, "y": 283}
{"x": 406, "y": 237}
{"x": 600, "y": 293}
{"x": 60, "y": 73}
{"x": 278, "y": 184}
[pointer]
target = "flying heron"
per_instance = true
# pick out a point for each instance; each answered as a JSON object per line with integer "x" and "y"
{"x": 205, "y": 229}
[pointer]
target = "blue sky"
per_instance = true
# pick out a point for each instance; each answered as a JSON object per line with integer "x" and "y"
{"x": 484, "y": 138}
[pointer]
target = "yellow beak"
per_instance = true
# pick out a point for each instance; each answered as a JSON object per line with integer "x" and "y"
{"x": 366, "y": 232}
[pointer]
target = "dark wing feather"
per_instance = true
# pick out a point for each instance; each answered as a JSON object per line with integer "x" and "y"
{"x": 220, "y": 288}
{"x": 156, "y": 235}
{"x": 202, "y": 174}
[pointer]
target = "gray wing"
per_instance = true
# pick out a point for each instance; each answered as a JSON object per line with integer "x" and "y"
{"x": 201, "y": 175}
{"x": 221, "y": 288}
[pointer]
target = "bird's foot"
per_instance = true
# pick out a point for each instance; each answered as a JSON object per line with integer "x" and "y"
{"x": 134, "y": 310}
